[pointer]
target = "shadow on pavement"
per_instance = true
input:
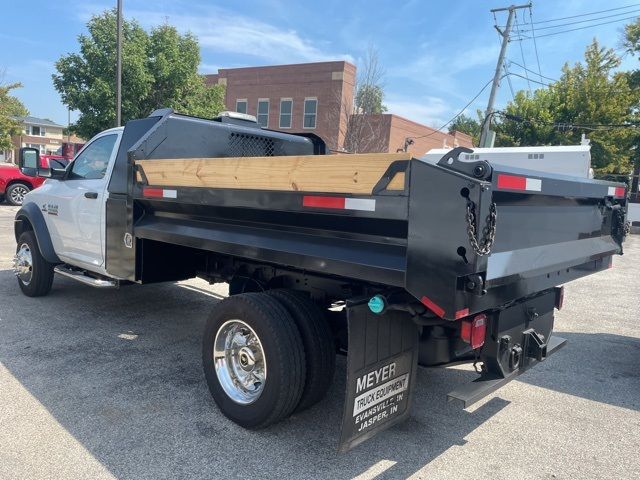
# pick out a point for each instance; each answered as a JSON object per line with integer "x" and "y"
{"x": 596, "y": 366}
{"x": 140, "y": 405}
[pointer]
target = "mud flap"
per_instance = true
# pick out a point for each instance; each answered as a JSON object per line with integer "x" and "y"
{"x": 381, "y": 372}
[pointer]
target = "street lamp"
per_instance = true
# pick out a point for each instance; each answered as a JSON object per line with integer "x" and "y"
{"x": 119, "y": 64}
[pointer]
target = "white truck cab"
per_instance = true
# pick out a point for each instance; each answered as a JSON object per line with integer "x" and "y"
{"x": 74, "y": 208}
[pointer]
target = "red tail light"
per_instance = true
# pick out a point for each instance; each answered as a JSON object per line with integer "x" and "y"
{"x": 474, "y": 331}
{"x": 559, "y": 297}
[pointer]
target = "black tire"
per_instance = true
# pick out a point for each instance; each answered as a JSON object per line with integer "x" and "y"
{"x": 13, "y": 189}
{"x": 41, "y": 270}
{"x": 283, "y": 353}
{"x": 317, "y": 340}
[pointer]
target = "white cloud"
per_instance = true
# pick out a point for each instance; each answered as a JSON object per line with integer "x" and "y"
{"x": 443, "y": 70}
{"x": 219, "y": 30}
{"x": 428, "y": 110}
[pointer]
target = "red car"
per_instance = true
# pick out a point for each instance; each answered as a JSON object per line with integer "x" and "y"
{"x": 14, "y": 185}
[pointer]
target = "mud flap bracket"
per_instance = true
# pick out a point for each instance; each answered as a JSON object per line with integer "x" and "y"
{"x": 381, "y": 371}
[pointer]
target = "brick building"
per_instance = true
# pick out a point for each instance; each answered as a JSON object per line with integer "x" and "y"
{"x": 318, "y": 98}
{"x": 39, "y": 133}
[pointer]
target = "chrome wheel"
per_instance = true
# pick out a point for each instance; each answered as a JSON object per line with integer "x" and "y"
{"x": 23, "y": 264}
{"x": 239, "y": 362}
{"x": 17, "y": 193}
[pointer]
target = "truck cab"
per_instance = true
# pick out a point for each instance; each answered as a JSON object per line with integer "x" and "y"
{"x": 73, "y": 203}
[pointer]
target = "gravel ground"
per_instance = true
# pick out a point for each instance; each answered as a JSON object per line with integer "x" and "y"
{"x": 108, "y": 384}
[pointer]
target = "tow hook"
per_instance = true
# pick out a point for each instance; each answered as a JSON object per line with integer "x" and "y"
{"x": 515, "y": 356}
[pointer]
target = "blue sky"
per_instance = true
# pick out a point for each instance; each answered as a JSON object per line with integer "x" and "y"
{"x": 436, "y": 54}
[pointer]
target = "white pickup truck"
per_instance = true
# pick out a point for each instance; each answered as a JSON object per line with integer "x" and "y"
{"x": 396, "y": 261}
{"x": 74, "y": 211}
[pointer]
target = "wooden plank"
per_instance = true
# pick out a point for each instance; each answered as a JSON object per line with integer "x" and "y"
{"x": 355, "y": 174}
{"x": 397, "y": 182}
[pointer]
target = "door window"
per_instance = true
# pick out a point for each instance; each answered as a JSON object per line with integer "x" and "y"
{"x": 92, "y": 163}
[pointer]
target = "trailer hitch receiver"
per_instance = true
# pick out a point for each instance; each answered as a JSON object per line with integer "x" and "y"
{"x": 536, "y": 345}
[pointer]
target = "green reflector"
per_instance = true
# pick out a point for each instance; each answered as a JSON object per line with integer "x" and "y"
{"x": 376, "y": 304}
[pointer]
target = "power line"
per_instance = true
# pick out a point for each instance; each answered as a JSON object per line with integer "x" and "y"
{"x": 529, "y": 79}
{"x": 506, "y": 73}
{"x": 577, "y": 22}
{"x": 522, "y": 56}
{"x": 457, "y": 114}
{"x": 566, "y": 125}
{"x": 548, "y": 85}
{"x": 525, "y": 37}
{"x": 587, "y": 14}
{"x": 535, "y": 44}
{"x": 531, "y": 71}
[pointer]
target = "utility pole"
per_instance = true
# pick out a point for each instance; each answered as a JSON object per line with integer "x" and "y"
{"x": 485, "y": 141}
{"x": 119, "y": 64}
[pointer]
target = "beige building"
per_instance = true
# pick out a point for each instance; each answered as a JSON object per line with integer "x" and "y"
{"x": 39, "y": 133}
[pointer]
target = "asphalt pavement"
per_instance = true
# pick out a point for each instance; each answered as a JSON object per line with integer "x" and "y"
{"x": 108, "y": 384}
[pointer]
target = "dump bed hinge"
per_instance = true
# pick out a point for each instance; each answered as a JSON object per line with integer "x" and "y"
{"x": 480, "y": 169}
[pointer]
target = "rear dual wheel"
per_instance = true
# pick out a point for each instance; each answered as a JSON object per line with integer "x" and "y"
{"x": 266, "y": 355}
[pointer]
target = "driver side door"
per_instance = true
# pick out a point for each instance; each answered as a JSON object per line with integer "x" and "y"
{"x": 79, "y": 205}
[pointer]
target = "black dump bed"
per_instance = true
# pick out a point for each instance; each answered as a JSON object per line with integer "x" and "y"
{"x": 228, "y": 186}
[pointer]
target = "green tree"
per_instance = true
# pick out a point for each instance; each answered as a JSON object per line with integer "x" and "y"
{"x": 632, "y": 44}
{"x": 159, "y": 69}
{"x": 369, "y": 99}
{"x": 587, "y": 94}
{"x": 10, "y": 106}
{"x": 466, "y": 124}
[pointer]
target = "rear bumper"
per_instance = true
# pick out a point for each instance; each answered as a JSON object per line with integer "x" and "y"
{"x": 488, "y": 383}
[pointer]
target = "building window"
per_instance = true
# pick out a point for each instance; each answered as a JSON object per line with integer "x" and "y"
{"x": 310, "y": 112}
{"x": 37, "y": 131}
{"x": 263, "y": 112}
{"x": 286, "y": 107}
{"x": 41, "y": 148}
{"x": 241, "y": 105}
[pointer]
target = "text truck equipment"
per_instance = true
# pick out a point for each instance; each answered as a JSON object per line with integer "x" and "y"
{"x": 394, "y": 261}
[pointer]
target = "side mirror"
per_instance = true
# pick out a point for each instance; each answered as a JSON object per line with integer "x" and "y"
{"x": 29, "y": 161}
{"x": 29, "y": 164}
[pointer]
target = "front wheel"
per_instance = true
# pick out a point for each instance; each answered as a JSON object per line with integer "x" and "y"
{"x": 16, "y": 192}
{"x": 253, "y": 360}
{"x": 34, "y": 273}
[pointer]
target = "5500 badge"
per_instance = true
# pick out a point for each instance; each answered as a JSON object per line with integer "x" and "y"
{"x": 50, "y": 208}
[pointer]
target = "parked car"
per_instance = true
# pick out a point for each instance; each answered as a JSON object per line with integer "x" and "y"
{"x": 14, "y": 185}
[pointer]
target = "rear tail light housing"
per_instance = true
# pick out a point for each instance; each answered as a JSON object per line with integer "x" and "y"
{"x": 474, "y": 330}
{"x": 559, "y": 297}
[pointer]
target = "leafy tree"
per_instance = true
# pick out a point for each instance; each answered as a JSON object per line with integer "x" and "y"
{"x": 362, "y": 132}
{"x": 468, "y": 125}
{"x": 632, "y": 44}
{"x": 587, "y": 98}
{"x": 159, "y": 69}
{"x": 10, "y": 106}
{"x": 369, "y": 99}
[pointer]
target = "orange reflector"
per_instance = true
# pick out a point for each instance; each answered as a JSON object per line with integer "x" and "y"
{"x": 473, "y": 331}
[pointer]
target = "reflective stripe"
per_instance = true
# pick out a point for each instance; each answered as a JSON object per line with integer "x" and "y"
{"x": 360, "y": 204}
{"x": 431, "y": 305}
{"x": 516, "y": 182}
{"x": 534, "y": 184}
{"x": 159, "y": 193}
{"x": 616, "y": 191}
{"x": 340, "y": 203}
